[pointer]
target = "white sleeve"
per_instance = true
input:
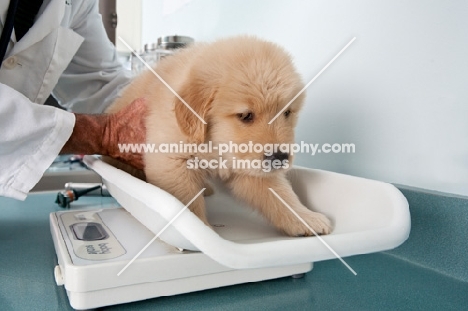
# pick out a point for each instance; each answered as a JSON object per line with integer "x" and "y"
{"x": 95, "y": 76}
{"x": 31, "y": 137}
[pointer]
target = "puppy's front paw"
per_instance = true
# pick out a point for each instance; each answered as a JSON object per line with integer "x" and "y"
{"x": 316, "y": 221}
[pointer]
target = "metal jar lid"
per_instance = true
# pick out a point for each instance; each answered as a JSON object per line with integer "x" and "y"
{"x": 173, "y": 42}
{"x": 150, "y": 47}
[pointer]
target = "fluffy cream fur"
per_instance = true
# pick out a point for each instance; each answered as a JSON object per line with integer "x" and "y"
{"x": 237, "y": 85}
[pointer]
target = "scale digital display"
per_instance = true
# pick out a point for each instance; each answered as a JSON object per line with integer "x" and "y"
{"x": 89, "y": 231}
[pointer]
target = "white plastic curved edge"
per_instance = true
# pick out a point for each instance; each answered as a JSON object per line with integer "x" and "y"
{"x": 377, "y": 218}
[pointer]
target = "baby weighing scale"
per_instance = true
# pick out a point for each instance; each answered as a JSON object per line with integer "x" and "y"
{"x": 94, "y": 247}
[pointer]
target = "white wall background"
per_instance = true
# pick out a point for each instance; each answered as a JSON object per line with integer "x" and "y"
{"x": 399, "y": 93}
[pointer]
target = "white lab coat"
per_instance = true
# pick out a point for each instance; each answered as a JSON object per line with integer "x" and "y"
{"x": 67, "y": 53}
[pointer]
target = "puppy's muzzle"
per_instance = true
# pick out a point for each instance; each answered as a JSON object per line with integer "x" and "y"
{"x": 277, "y": 156}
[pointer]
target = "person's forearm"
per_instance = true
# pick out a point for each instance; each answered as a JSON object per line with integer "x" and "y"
{"x": 101, "y": 134}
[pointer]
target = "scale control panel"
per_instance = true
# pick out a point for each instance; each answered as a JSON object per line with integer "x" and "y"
{"x": 89, "y": 236}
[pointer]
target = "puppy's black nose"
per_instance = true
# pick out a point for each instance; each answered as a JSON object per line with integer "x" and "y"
{"x": 277, "y": 156}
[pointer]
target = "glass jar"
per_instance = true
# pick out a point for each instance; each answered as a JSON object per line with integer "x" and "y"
{"x": 167, "y": 45}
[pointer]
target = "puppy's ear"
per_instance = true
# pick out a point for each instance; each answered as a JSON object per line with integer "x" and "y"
{"x": 199, "y": 98}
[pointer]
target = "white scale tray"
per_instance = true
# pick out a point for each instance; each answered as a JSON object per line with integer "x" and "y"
{"x": 368, "y": 216}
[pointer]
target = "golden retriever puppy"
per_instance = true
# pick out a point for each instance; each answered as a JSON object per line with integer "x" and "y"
{"x": 236, "y": 85}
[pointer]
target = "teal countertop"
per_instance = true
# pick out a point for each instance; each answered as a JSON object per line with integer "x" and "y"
{"x": 416, "y": 276}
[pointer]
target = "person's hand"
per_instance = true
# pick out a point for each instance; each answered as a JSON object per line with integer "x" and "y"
{"x": 127, "y": 126}
{"x": 102, "y": 134}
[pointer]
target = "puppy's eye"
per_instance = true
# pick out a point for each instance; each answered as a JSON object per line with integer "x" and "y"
{"x": 287, "y": 113}
{"x": 245, "y": 117}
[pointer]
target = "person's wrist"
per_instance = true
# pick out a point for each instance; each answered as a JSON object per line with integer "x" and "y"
{"x": 88, "y": 135}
